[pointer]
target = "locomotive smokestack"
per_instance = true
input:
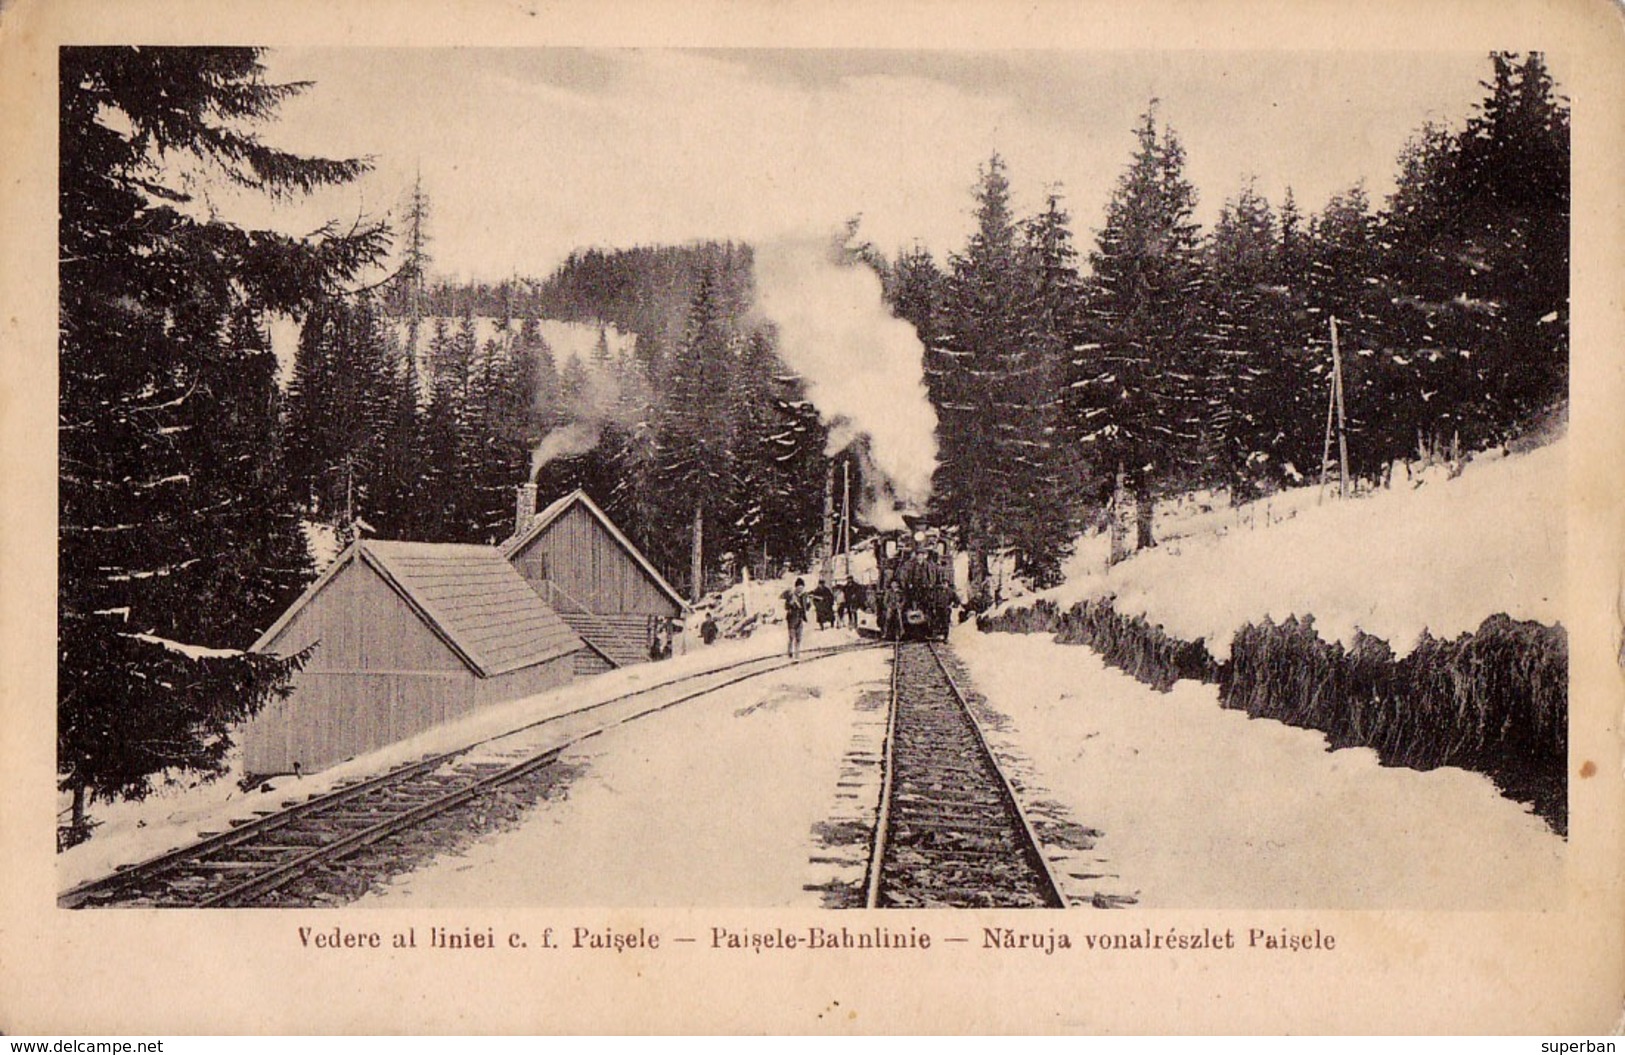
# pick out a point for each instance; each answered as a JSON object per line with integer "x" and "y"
{"x": 524, "y": 507}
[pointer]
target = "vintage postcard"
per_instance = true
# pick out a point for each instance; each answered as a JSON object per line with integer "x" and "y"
{"x": 837, "y": 518}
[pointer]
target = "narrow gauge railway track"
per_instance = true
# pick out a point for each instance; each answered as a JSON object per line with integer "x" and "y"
{"x": 950, "y": 833}
{"x": 258, "y": 857}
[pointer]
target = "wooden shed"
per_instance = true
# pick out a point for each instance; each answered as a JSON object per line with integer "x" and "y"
{"x": 581, "y": 564}
{"x": 406, "y": 635}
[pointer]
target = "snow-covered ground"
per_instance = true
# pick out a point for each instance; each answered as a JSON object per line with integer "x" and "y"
{"x": 178, "y": 812}
{"x": 1202, "y": 807}
{"x": 1430, "y": 553}
{"x": 741, "y": 798}
{"x": 714, "y": 803}
{"x": 748, "y": 606}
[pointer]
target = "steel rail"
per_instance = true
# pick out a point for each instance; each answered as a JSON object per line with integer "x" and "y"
{"x": 1031, "y": 848}
{"x": 877, "y": 852}
{"x": 1034, "y": 849}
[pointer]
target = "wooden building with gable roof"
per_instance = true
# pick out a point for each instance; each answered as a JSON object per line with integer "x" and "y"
{"x": 586, "y": 569}
{"x": 406, "y": 635}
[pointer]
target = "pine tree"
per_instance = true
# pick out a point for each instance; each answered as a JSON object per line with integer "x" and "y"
{"x": 1476, "y": 259}
{"x": 441, "y": 505}
{"x": 754, "y": 426}
{"x": 1252, "y": 375}
{"x": 544, "y": 391}
{"x": 693, "y": 463}
{"x": 631, "y": 499}
{"x": 163, "y": 398}
{"x": 492, "y": 459}
{"x": 977, "y": 349}
{"x": 414, "y": 270}
{"x": 1137, "y": 379}
{"x": 778, "y": 457}
{"x": 1345, "y": 284}
{"x": 393, "y": 482}
{"x": 915, "y": 292}
{"x": 1040, "y": 519}
{"x": 261, "y": 561}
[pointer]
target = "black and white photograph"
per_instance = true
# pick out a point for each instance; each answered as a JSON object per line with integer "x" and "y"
{"x": 682, "y": 500}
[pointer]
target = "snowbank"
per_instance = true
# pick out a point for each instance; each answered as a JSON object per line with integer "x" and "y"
{"x": 1431, "y": 553}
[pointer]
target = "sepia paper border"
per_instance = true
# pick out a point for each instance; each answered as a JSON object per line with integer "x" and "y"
{"x": 1551, "y": 970}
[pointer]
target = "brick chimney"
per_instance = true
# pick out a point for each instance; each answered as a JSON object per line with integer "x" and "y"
{"x": 524, "y": 508}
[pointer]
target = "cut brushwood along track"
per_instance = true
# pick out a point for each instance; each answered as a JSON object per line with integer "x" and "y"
{"x": 335, "y": 847}
{"x": 950, "y": 833}
{"x": 1494, "y": 701}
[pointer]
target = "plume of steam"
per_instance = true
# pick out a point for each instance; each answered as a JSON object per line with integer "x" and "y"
{"x": 864, "y": 368}
{"x": 879, "y": 505}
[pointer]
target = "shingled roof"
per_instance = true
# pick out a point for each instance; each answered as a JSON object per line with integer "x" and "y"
{"x": 470, "y": 596}
{"x": 543, "y": 520}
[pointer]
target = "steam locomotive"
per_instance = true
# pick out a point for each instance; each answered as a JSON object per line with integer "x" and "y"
{"x": 920, "y": 564}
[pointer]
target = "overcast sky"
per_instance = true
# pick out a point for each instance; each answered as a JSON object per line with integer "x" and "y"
{"x": 527, "y": 154}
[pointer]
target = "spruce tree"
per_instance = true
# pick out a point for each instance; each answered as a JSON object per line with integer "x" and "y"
{"x": 1137, "y": 380}
{"x": 1040, "y": 519}
{"x": 693, "y": 462}
{"x": 978, "y": 348}
{"x": 1476, "y": 260}
{"x": 1345, "y": 284}
{"x": 1252, "y": 374}
{"x": 163, "y": 404}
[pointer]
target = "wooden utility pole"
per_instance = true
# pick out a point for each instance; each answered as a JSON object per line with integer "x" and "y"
{"x": 1334, "y": 412}
{"x": 1119, "y": 526}
{"x": 1342, "y": 423}
{"x": 829, "y": 520}
{"x": 846, "y": 516}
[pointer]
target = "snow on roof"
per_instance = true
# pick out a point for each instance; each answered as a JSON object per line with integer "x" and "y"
{"x": 543, "y": 520}
{"x": 470, "y": 596}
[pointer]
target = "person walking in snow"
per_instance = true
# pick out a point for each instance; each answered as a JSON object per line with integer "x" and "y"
{"x": 824, "y": 605}
{"x": 795, "y": 617}
{"x": 854, "y": 601}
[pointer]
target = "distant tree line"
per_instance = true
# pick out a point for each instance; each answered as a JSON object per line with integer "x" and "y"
{"x": 1162, "y": 358}
{"x": 697, "y": 423}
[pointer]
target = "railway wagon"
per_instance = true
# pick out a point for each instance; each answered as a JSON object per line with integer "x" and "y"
{"x": 920, "y": 563}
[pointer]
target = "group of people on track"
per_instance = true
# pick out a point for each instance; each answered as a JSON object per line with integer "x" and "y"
{"x": 916, "y": 577}
{"x": 837, "y": 606}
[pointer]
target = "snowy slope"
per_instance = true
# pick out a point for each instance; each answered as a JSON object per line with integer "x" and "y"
{"x": 564, "y": 338}
{"x": 1438, "y": 554}
{"x": 1199, "y": 806}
